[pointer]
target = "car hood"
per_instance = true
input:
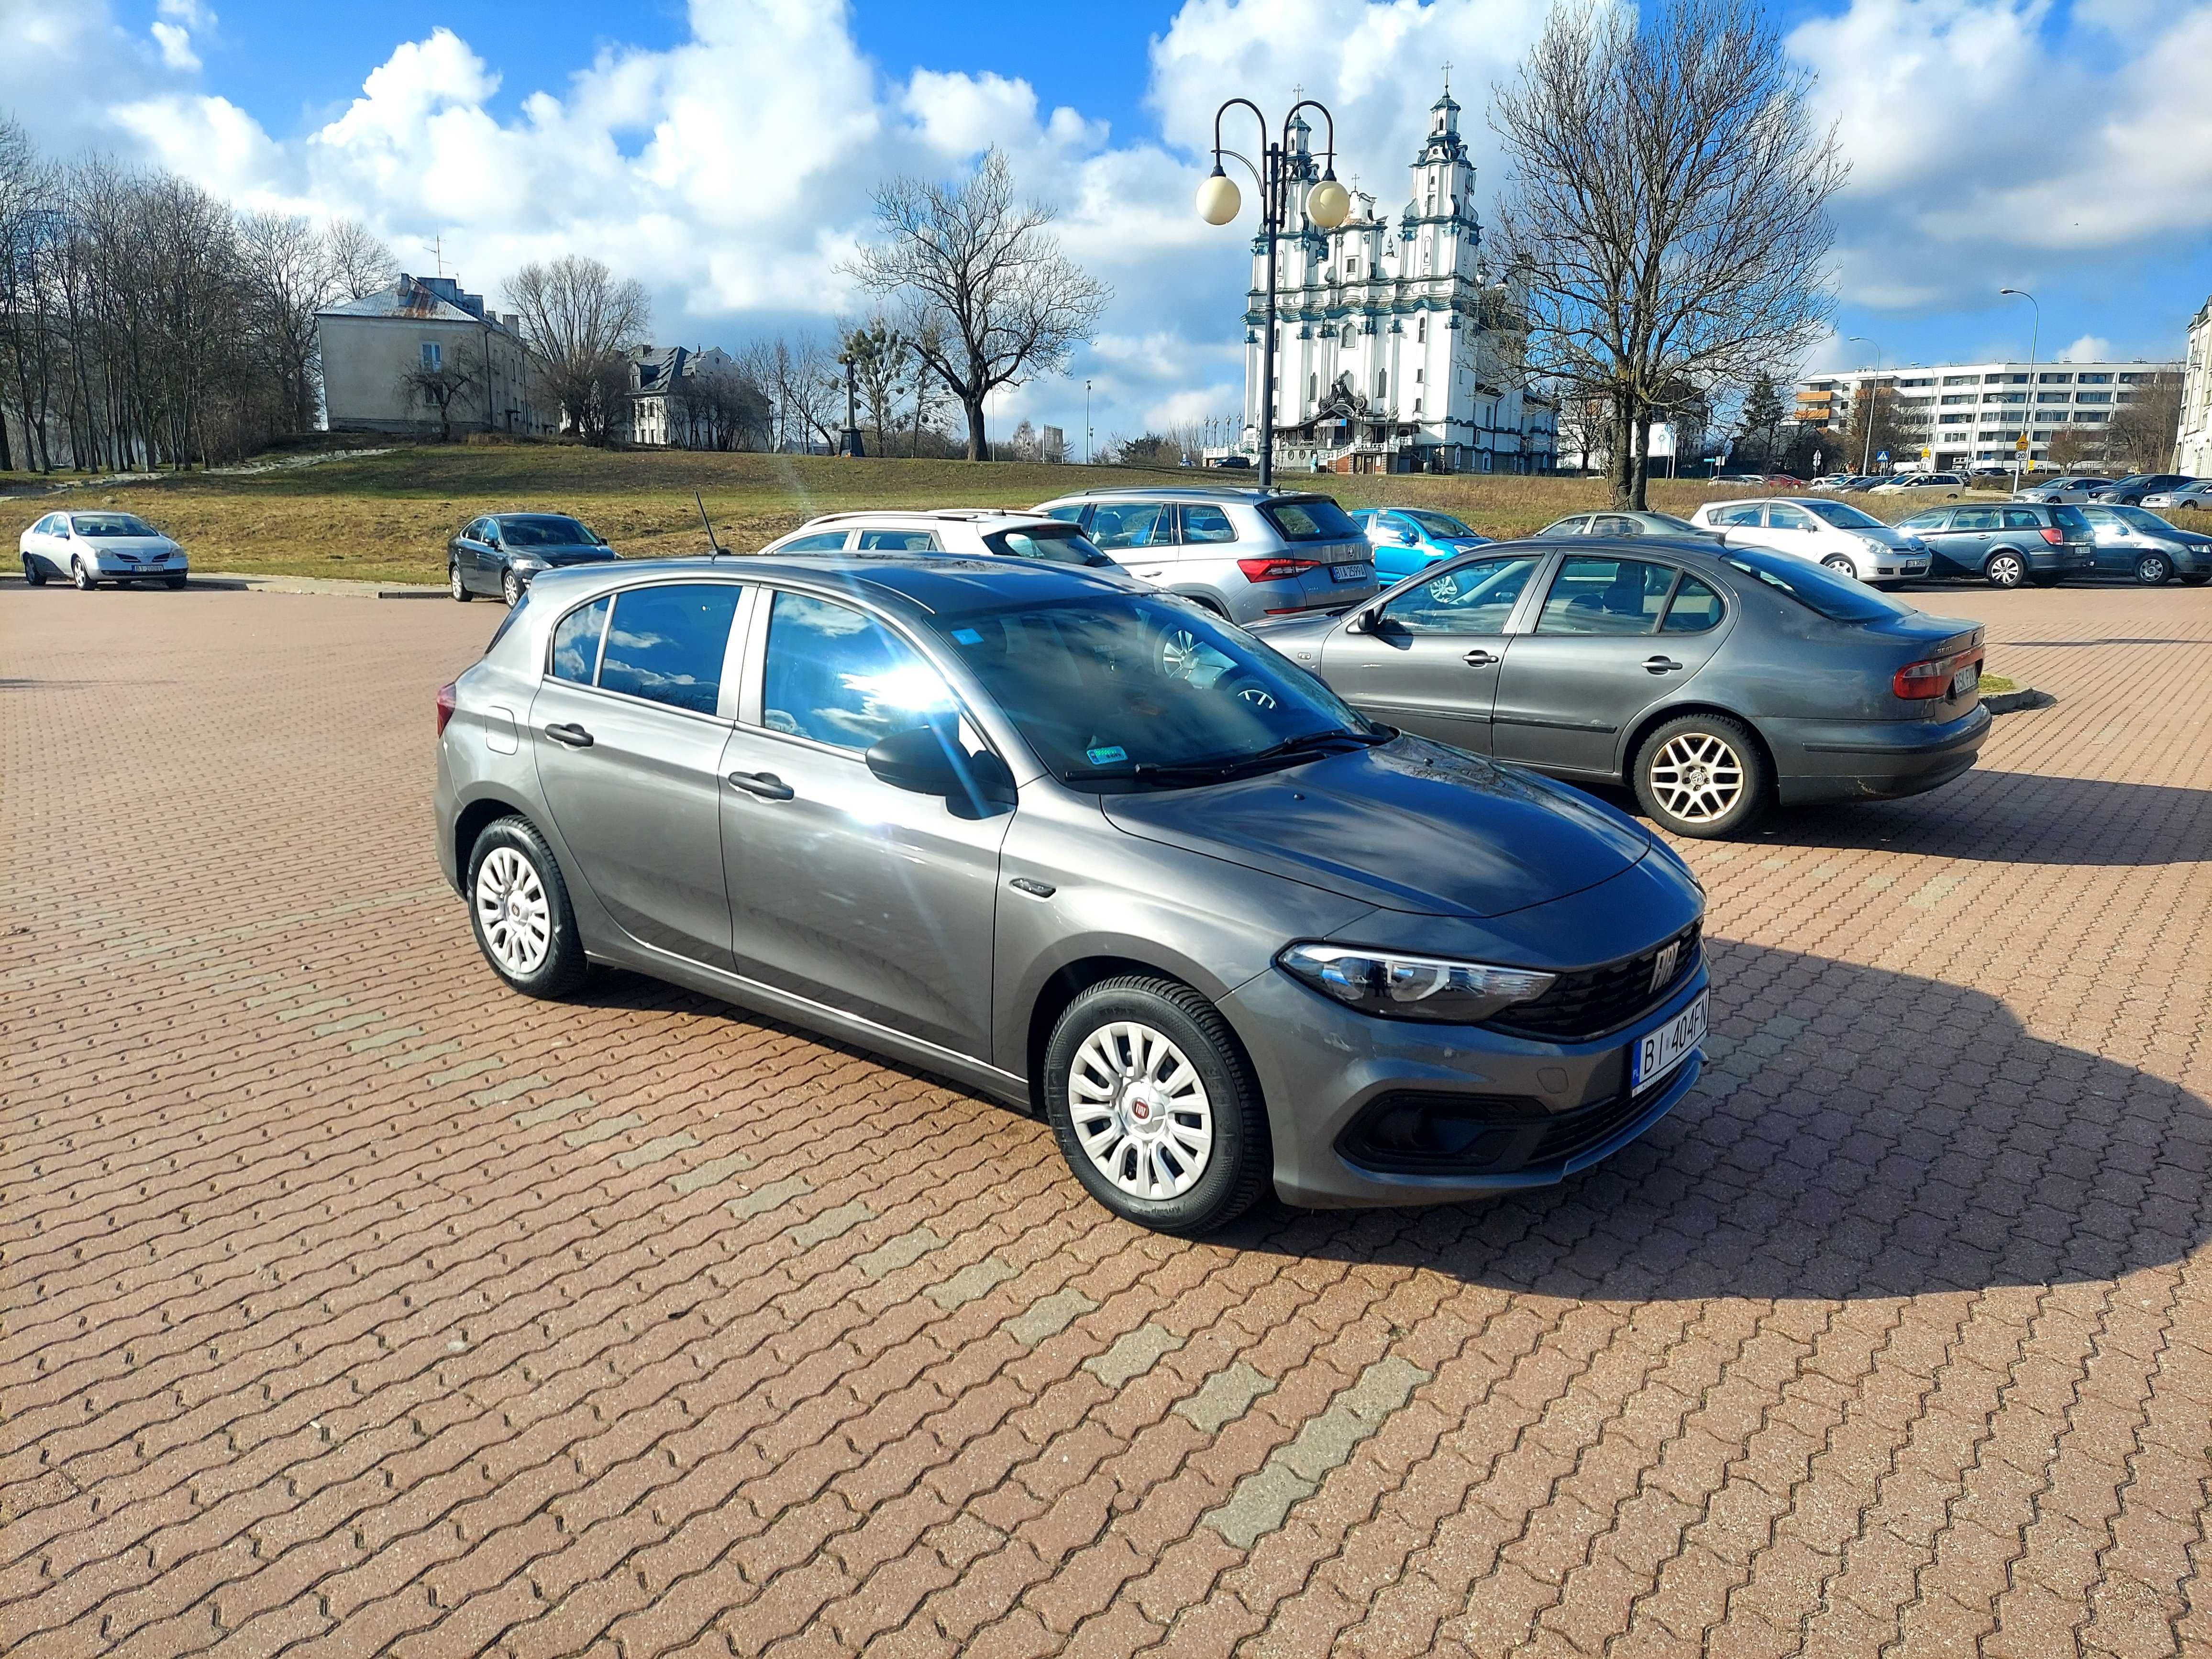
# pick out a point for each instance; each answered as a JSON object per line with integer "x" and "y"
{"x": 1410, "y": 825}
{"x": 1890, "y": 536}
{"x": 592, "y": 554}
{"x": 128, "y": 544}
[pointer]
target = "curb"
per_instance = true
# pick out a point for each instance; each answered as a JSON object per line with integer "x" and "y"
{"x": 239, "y": 581}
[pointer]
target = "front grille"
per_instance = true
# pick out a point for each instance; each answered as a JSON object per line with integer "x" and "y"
{"x": 1598, "y": 1001}
{"x": 1579, "y": 1132}
{"x": 1416, "y": 1132}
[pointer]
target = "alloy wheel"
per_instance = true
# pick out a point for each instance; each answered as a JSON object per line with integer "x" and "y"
{"x": 1178, "y": 650}
{"x": 1140, "y": 1110}
{"x": 1697, "y": 777}
{"x": 1841, "y": 566}
{"x": 33, "y": 576}
{"x": 511, "y": 589}
{"x": 81, "y": 576}
{"x": 512, "y": 907}
{"x": 2006, "y": 570}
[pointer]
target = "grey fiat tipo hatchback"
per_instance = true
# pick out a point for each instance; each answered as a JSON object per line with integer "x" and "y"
{"x": 1082, "y": 846}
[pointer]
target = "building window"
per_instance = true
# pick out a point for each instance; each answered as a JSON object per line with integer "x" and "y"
{"x": 2004, "y": 397}
{"x": 1418, "y": 375}
{"x": 2133, "y": 379}
{"x": 1421, "y": 335}
{"x": 2055, "y": 379}
{"x": 2008, "y": 379}
{"x": 1382, "y": 384}
{"x": 1417, "y": 405}
{"x": 2052, "y": 397}
{"x": 2096, "y": 380}
{"x": 2091, "y": 397}
{"x": 430, "y": 356}
{"x": 1313, "y": 386}
{"x": 1952, "y": 420}
{"x": 1958, "y": 397}
{"x": 1962, "y": 379}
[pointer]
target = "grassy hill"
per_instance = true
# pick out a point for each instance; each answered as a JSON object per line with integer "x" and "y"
{"x": 385, "y": 518}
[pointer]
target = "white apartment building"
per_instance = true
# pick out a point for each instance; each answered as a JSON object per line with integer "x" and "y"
{"x": 1394, "y": 350}
{"x": 2193, "y": 443}
{"x": 1968, "y": 413}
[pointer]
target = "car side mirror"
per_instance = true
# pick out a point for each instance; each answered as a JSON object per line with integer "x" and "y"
{"x": 1409, "y": 538}
{"x": 927, "y": 760}
{"x": 1363, "y": 621}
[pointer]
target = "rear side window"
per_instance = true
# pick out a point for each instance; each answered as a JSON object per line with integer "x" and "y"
{"x": 901, "y": 541}
{"x": 1974, "y": 517}
{"x": 576, "y": 641}
{"x": 839, "y": 677}
{"x": 1694, "y": 608}
{"x": 1065, "y": 514}
{"x": 1201, "y": 523}
{"x": 1819, "y": 590}
{"x": 2021, "y": 518}
{"x": 1318, "y": 519}
{"x": 1742, "y": 513}
{"x": 667, "y": 643}
{"x": 1605, "y": 596}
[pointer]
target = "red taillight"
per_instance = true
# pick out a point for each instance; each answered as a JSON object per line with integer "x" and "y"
{"x": 1275, "y": 570}
{"x": 1932, "y": 678}
{"x": 444, "y": 708}
{"x": 2056, "y": 536}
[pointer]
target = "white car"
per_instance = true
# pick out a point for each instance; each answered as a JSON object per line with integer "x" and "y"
{"x": 1821, "y": 531}
{"x": 1907, "y": 482}
{"x": 92, "y": 548}
{"x": 969, "y": 531}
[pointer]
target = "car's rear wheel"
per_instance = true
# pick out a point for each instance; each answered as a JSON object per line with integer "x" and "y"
{"x": 2005, "y": 569}
{"x": 510, "y": 589}
{"x": 455, "y": 585}
{"x": 84, "y": 579}
{"x": 2153, "y": 569}
{"x": 518, "y": 910}
{"x": 1703, "y": 776}
{"x": 35, "y": 573}
{"x": 1154, "y": 1108}
{"x": 1843, "y": 566}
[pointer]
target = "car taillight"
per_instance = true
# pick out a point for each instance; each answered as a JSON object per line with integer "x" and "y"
{"x": 445, "y": 706}
{"x": 1275, "y": 570}
{"x": 2055, "y": 536}
{"x": 1932, "y": 678}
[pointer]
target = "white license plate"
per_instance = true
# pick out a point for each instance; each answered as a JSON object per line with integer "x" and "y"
{"x": 1966, "y": 680}
{"x": 1659, "y": 1051}
{"x": 1350, "y": 573}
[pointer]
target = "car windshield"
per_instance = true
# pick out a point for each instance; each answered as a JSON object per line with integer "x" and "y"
{"x": 1440, "y": 524}
{"x": 1310, "y": 518}
{"x": 1837, "y": 598}
{"x": 1842, "y": 515}
{"x": 545, "y": 530}
{"x": 1124, "y": 692}
{"x": 110, "y": 524}
{"x": 2140, "y": 519}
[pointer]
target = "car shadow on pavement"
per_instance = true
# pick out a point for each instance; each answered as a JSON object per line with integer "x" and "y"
{"x": 1857, "y": 1133}
{"x": 2014, "y": 818}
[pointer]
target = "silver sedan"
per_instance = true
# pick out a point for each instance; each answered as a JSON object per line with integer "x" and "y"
{"x": 92, "y": 548}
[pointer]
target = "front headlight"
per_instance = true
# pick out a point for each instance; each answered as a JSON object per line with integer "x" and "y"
{"x": 524, "y": 561}
{"x": 1392, "y": 986}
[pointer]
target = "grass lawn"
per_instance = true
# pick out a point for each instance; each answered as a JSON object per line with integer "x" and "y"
{"x": 385, "y": 518}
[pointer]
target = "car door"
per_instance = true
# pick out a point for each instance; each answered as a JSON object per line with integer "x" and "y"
{"x": 1428, "y": 661}
{"x": 876, "y": 901}
{"x": 480, "y": 558}
{"x": 1399, "y": 547}
{"x": 1138, "y": 536}
{"x": 2113, "y": 548}
{"x": 629, "y": 729}
{"x": 1611, "y": 638}
{"x": 1740, "y": 523}
{"x": 1964, "y": 539}
{"x": 1791, "y": 529}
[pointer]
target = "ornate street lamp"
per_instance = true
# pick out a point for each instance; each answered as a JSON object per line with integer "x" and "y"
{"x": 1326, "y": 205}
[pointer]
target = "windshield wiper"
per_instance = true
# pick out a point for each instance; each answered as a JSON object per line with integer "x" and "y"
{"x": 1204, "y": 768}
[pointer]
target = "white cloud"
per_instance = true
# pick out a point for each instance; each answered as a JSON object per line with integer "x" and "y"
{"x": 2089, "y": 348}
{"x": 176, "y": 44}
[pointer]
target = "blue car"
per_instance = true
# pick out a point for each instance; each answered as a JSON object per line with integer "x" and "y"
{"x": 1406, "y": 539}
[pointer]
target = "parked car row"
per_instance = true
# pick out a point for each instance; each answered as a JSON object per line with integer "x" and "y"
{"x": 2137, "y": 489}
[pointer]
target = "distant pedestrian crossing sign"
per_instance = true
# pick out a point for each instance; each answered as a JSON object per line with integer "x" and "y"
{"x": 2021, "y": 442}
{"x": 1881, "y": 455}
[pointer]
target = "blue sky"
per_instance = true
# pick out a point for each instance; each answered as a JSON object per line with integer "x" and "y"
{"x": 723, "y": 150}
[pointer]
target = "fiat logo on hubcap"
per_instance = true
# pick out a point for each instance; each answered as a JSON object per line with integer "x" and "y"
{"x": 1140, "y": 1109}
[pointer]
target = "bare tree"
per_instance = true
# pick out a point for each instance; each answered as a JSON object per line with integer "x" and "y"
{"x": 1665, "y": 217}
{"x": 360, "y": 265}
{"x": 579, "y": 320}
{"x": 2144, "y": 432}
{"x": 982, "y": 266}
{"x": 288, "y": 275}
{"x": 443, "y": 385}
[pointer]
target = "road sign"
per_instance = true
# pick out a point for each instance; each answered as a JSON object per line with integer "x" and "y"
{"x": 2021, "y": 442}
{"x": 1881, "y": 455}
{"x": 1926, "y": 454}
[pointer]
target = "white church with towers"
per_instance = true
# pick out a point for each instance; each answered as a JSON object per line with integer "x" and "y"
{"x": 1397, "y": 348}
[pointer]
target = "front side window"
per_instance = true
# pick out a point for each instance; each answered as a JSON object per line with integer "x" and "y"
{"x": 1780, "y": 516}
{"x": 839, "y": 677}
{"x": 1202, "y": 523}
{"x": 1468, "y": 598}
{"x": 1442, "y": 526}
{"x": 1845, "y": 516}
{"x": 667, "y": 643}
{"x": 1605, "y": 596}
{"x": 576, "y": 641}
{"x": 1131, "y": 524}
{"x": 900, "y": 541}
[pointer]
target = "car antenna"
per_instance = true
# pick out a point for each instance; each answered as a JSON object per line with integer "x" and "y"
{"x": 714, "y": 547}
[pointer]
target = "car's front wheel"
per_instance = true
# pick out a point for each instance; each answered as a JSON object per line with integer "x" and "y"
{"x": 2152, "y": 569}
{"x": 35, "y": 573}
{"x": 518, "y": 909}
{"x": 1703, "y": 776}
{"x": 455, "y": 585}
{"x": 2005, "y": 570}
{"x": 84, "y": 579}
{"x": 1154, "y": 1108}
{"x": 1841, "y": 565}
{"x": 510, "y": 589}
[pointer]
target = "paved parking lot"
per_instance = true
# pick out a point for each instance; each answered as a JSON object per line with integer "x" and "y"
{"x": 353, "y": 1305}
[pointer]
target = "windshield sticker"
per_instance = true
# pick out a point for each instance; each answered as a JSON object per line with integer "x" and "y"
{"x": 967, "y": 636}
{"x": 1107, "y": 756}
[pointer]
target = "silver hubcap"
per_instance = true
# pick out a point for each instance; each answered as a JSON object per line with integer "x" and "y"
{"x": 2153, "y": 569}
{"x": 1177, "y": 650}
{"x": 1697, "y": 777}
{"x": 513, "y": 910}
{"x": 453, "y": 578}
{"x": 2004, "y": 572}
{"x": 1140, "y": 1110}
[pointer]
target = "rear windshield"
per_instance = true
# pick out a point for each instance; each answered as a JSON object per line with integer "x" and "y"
{"x": 2070, "y": 517}
{"x": 1837, "y": 598}
{"x": 1310, "y": 518}
{"x": 545, "y": 530}
{"x": 1054, "y": 545}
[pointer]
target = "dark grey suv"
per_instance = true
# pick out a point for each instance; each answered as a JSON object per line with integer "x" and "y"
{"x": 1086, "y": 849}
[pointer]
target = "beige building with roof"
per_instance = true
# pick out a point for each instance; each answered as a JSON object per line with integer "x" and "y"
{"x": 374, "y": 349}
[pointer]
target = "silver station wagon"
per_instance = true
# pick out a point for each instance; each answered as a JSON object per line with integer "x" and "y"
{"x": 1082, "y": 846}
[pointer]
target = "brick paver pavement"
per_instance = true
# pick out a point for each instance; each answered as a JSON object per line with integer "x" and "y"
{"x": 354, "y": 1305}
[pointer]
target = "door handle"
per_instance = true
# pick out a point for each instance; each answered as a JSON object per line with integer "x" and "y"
{"x": 766, "y": 785}
{"x": 1661, "y": 665}
{"x": 1480, "y": 657}
{"x": 574, "y": 736}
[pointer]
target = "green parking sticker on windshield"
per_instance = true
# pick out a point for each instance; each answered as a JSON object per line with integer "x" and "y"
{"x": 1105, "y": 757}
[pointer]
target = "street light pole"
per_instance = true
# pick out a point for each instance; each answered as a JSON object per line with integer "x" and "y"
{"x": 1874, "y": 393}
{"x": 1326, "y": 205}
{"x": 2027, "y": 418}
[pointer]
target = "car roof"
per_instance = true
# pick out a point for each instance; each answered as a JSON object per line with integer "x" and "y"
{"x": 1192, "y": 493}
{"x": 938, "y": 515}
{"x": 940, "y": 584}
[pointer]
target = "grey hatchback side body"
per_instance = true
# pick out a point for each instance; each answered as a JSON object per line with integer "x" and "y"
{"x": 780, "y": 875}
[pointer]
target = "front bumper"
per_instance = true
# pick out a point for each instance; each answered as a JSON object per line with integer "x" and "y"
{"x": 1871, "y": 760}
{"x": 1321, "y": 1065}
{"x": 114, "y": 570}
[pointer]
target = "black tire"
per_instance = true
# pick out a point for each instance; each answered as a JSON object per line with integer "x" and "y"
{"x": 1843, "y": 566}
{"x": 455, "y": 585}
{"x": 35, "y": 573}
{"x": 1663, "y": 770}
{"x": 564, "y": 968}
{"x": 1239, "y": 1163}
{"x": 2153, "y": 569}
{"x": 510, "y": 589}
{"x": 2004, "y": 569}
{"x": 85, "y": 581}
{"x": 173, "y": 583}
